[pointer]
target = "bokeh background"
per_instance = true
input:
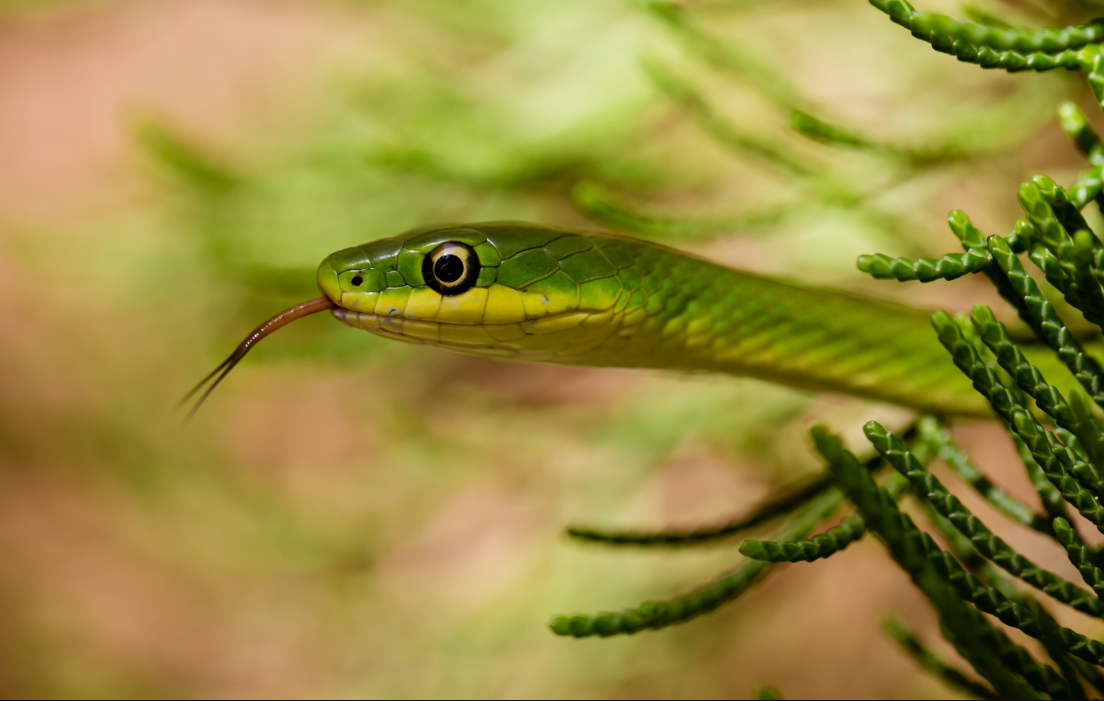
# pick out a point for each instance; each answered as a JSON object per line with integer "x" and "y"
{"x": 356, "y": 518}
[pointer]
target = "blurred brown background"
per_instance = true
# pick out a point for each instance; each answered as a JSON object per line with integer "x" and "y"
{"x": 351, "y": 518}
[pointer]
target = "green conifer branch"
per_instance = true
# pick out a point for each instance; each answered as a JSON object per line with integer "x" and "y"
{"x": 948, "y": 267}
{"x": 971, "y": 237}
{"x": 994, "y": 602}
{"x": 1055, "y": 646}
{"x": 1006, "y": 38}
{"x": 1080, "y": 556}
{"x": 1076, "y": 125}
{"x": 820, "y": 187}
{"x": 1093, "y": 66}
{"x": 965, "y": 231}
{"x": 819, "y": 546}
{"x": 1087, "y": 273}
{"x": 1071, "y": 441}
{"x": 723, "y": 54}
{"x": 819, "y": 130}
{"x": 1047, "y": 227}
{"x": 933, "y": 664}
{"x": 1048, "y": 263}
{"x": 653, "y": 615}
{"x": 1093, "y": 437}
{"x": 1057, "y": 278}
{"x": 1088, "y": 187}
{"x": 724, "y": 131}
{"x": 976, "y": 259}
{"x": 1050, "y": 498}
{"x": 990, "y": 47}
{"x": 599, "y": 204}
{"x": 1040, "y": 676}
{"x": 995, "y": 336}
{"x": 930, "y": 28}
{"x": 1089, "y": 673}
{"x": 938, "y": 436}
{"x": 807, "y": 549}
{"x": 1021, "y": 421}
{"x": 964, "y": 551}
{"x": 989, "y": 651}
{"x": 987, "y": 543}
{"x": 985, "y": 131}
{"x": 1056, "y": 219}
{"x": 1023, "y": 233}
{"x": 1044, "y": 319}
{"x": 1065, "y": 210}
{"x": 774, "y": 507}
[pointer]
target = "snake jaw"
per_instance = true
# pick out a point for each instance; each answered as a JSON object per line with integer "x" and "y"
{"x": 554, "y": 338}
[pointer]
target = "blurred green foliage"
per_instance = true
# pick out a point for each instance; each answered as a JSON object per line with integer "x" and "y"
{"x": 351, "y": 516}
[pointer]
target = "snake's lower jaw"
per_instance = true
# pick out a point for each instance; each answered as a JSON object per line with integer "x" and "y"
{"x": 466, "y": 338}
{"x": 389, "y": 326}
{"x": 558, "y": 338}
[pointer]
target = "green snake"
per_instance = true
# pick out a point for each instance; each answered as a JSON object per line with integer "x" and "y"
{"x": 527, "y": 292}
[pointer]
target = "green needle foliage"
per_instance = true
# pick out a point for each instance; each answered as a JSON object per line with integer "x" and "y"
{"x": 1005, "y": 48}
{"x": 652, "y": 615}
{"x": 599, "y": 204}
{"x": 915, "y": 156}
{"x": 935, "y": 665}
{"x": 977, "y": 258}
{"x": 937, "y": 435}
{"x": 1079, "y": 555}
{"x": 949, "y": 267}
{"x": 724, "y": 130}
{"x": 769, "y": 510}
{"x": 984, "y": 540}
{"x": 722, "y": 54}
{"x": 1048, "y": 393}
{"x": 928, "y": 566}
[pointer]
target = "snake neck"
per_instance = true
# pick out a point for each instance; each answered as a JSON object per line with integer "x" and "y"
{"x": 691, "y": 314}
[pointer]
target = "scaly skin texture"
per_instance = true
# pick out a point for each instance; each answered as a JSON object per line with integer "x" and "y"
{"x": 553, "y": 295}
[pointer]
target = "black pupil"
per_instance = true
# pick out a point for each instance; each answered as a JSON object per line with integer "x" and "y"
{"x": 357, "y": 281}
{"x": 448, "y": 268}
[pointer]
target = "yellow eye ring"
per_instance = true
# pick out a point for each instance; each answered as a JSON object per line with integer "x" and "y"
{"x": 451, "y": 268}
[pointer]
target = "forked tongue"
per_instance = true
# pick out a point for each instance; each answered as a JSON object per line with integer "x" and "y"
{"x": 282, "y": 319}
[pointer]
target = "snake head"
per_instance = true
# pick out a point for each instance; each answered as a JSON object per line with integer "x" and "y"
{"x": 498, "y": 289}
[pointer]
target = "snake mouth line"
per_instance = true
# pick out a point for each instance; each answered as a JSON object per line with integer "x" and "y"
{"x": 421, "y": 331}
{"x": 525, "y": 337}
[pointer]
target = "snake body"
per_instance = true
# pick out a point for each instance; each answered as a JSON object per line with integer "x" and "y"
{"x": 527, "y": 292}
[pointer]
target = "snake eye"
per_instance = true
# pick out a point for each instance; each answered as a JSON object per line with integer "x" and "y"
{"x": 451, "y": 268}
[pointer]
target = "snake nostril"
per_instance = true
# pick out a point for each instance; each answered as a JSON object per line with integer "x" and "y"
{"x": 357, "y": 281}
